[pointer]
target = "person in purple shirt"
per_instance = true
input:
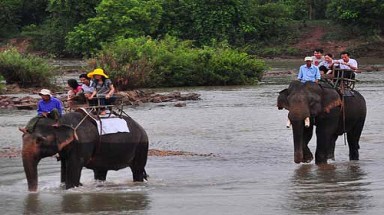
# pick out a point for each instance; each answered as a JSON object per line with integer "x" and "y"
{"x": 308, "y": 72}
{"x": 48, "y": 106}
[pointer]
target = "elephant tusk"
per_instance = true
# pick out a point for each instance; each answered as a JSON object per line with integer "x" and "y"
{"x": 307, "y": 122}
{"x": 288, "y": 125}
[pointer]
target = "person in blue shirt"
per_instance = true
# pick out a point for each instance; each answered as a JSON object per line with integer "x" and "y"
{"x": 48, "y": 106}
{"x": 309, "y": 72}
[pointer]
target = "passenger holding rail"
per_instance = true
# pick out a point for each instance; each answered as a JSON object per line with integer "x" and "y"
{"x": 74, "y": 93}
{"x": 103, "y": 87}
{"x": 325, "y": 66}
{"x": 348, "y": 64}
{"x": 75, "y": 88}
{"x": 86, "y": 85}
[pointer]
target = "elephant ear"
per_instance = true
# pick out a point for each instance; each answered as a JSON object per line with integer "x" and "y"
{"x": 64, "y": 135}
{"x": 330, "y": 99}
{"x": 282, "y": 100}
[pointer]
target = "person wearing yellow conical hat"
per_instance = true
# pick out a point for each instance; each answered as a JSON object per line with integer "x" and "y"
{"x": 102, "y": 85}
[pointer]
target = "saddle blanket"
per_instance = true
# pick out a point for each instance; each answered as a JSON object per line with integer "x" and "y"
{"x": 111, "y": 126}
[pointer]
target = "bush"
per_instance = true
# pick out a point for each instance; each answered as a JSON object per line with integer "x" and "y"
{"x": 24, "y": 70}
{"x": 143, "y": 62}
{"x": 1, "y": 84}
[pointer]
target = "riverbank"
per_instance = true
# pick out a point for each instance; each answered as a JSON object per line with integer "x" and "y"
{"x": 26, "y": 98}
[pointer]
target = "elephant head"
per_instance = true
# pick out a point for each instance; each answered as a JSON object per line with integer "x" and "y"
{"x": 306, "y": 101}
{"x": 46, "y": 140}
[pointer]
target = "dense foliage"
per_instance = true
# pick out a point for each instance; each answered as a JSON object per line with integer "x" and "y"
{"x": 362, "y": 16}
{"x": 64, "y": 16}
{"x": 143, "y": 62}
{"x": 24, "y": 70}
{"x": 79, "y": 28}
{"x": 238, "y": 21}
{"x": 115, "y": 19}
{"x": 9, "y": 16}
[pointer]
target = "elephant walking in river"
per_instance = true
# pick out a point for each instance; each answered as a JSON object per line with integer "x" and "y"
{"x": 76, "y": 139}
{"x": 332, "y": 114}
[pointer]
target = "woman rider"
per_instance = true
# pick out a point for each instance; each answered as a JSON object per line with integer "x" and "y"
{"x": 102, "y": 86}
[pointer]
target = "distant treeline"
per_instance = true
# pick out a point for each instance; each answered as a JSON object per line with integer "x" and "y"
{"x": 82, "y": 27}
{"x": 166, "y": 43}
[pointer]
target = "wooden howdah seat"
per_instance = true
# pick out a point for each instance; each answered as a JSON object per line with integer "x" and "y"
{"x": 342, "y": 79}
{"x": 95, "y": 107}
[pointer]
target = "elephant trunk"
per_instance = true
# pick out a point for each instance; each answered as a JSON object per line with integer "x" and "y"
{"x": 298, "y": 140}
{"x": 30, "y": 156}
{"x": 31, "y": 174}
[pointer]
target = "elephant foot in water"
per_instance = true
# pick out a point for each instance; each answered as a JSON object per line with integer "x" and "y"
{"x": 331, "y": 156}
{"x": 354, "y": 155}
{"x": 307, "y": 156}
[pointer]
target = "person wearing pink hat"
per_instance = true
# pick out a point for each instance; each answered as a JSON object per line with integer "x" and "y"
{"x": 48, "y": 107}
{"x": 102, "y": 87}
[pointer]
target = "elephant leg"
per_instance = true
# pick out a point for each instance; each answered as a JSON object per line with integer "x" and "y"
{"x": 331, "y": 147}
{"x": 100, "y": 175}
{"x": 353, "y": 138}
{"x": 74, "y": 165}
{"x": 323, "y": 142}
{"x": 73, "y": 176}
{"x": 139, "y": 162}
{"x": 63, "y": 170}
{"x": 307, "y": 154}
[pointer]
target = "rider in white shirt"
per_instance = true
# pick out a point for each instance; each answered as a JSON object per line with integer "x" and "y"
{"x": 346, "y": 63}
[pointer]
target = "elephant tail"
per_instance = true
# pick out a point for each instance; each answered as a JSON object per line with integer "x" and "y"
{"x": 140, "y": 160}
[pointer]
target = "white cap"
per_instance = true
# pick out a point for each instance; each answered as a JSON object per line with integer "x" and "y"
{"x": 308, "y": 59}
{"x": 45, "y": 92}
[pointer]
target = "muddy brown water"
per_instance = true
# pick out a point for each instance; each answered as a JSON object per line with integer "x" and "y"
{"x": 252, "y": 171}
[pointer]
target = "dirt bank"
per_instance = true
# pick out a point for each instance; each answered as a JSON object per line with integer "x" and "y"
{"x": 317, "y": 36}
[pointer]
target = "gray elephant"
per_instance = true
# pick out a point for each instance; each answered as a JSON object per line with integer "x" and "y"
{"x": 331, "y": 113}
{"x": 84, "y": 147}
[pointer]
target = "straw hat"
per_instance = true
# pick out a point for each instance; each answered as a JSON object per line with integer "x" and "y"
{"x": 45, "y": 92}
{"x": 97, "y": 72}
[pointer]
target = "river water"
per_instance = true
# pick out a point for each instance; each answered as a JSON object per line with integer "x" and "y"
{"x": 250, "y": 170}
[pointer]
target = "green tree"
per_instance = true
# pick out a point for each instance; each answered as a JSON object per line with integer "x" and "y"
{"x": 367, "y": 16}
{"x": 34, "y": 12}
{"x": 64, "y": 15}
{"x": 115, "y": 19}
{"x": 9, "y": 17}
{"x": 306, "y": 9}
{"x": 235, "y": 21}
